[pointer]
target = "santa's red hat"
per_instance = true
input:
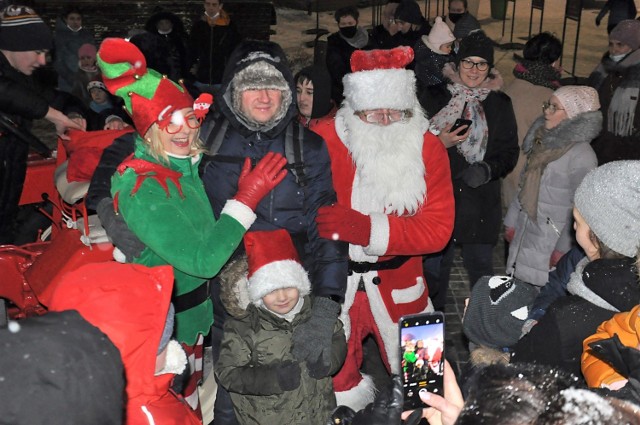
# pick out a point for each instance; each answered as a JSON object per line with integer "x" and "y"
{"x": 379, "y": 80}
{"x": 273, "y": 264}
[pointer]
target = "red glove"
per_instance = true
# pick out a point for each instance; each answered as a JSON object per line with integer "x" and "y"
{"x": 338, "y": 222}
{"x": 254, "y": 184}
{"x": 509, "y": 233}
{"x": 555, "y": 257}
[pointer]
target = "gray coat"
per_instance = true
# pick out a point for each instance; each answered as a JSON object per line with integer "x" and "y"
{"x": 255, "y": 341}
{"x": 535, "y": 241}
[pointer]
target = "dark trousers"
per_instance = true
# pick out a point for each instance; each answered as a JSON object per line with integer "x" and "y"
{"x": 223, "y": 413}
{"x": 477, "y": 260}
{"x": 437, "y": 270}
{"x": 13, "y": 168}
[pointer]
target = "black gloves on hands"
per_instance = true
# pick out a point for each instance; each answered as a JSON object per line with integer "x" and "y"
{"x": 386, "y": 409}
{"x": 625, "y": 360}
{"x": 477, "y": 174}
{"x": 118, "y": 231}
{"x": 598, "y": 20}
{"x": 288, "y": 374}
{"x": 312, "y": 340}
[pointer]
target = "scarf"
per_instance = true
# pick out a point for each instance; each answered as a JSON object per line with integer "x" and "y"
{"x": 474, "y": 146}
{"x": 538, "y": 158}
{"x": 622, "y": 108}
{"x": 359, "y": 40}
{"x": 537, "y": 73}
{"x": 221, "y": 19}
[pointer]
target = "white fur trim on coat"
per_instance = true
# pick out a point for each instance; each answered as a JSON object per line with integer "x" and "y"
{"x": 379, "y": 239}
{"x": 407, "y": 295}
{"x": 278, "y": 275}
{"x": 242, "y": 213}
{"x": 364, "y": 90}
{"x": 359, "y": 396}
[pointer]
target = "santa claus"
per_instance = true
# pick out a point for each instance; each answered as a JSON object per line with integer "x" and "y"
{"x": 395, "y": 203}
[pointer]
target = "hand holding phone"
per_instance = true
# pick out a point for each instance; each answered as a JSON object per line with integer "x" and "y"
{"x": 421, "y": 356}
{"x": 459, "y": 123}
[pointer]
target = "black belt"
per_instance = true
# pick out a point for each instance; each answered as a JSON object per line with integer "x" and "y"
{"x": 390, "y": 264}
{"x": 191, "y": 299}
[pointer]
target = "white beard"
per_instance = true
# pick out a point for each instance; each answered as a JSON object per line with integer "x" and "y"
{"x": 390, "y": 172}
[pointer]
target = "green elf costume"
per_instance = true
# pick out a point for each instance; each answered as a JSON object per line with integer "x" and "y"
{"x": 162, "y": 199}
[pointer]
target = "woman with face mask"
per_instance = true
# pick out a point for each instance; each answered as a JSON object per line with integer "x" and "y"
{"x": 617, "y": 79}
{"x": 340, "y": 45}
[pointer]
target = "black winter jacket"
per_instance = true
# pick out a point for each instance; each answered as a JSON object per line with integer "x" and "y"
{"x": 479, "y": 210}
{"x": 289, "y": 205}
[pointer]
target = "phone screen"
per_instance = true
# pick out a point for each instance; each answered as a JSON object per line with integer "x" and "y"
{"x": 422, "y": 356}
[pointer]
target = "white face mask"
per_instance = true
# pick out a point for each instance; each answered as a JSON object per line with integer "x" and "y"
{"x": 165, "y": 32}
{"x": 618, "y": 58}
{"x": 214, "y": 16}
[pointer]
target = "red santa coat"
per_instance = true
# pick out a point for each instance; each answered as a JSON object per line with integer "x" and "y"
{"x": 403, "y": 290}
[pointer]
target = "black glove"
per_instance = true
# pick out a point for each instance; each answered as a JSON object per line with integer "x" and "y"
{"x": 319, "y": 369}
{"x": 598, "y": 19}
{"x": 288, "y": 373}
{"x": 118, "y": 231}
{"x": 625, "y": 360}
{"x": 385, "y": 409}
{"x": 312, "y": 340}
{"x": 477, "y": 174}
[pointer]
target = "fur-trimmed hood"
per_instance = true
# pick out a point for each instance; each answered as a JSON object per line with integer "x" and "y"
{"x": 582, "y": 128}
{"x": 248, "y": 53}
{"x": 234, "y": 292}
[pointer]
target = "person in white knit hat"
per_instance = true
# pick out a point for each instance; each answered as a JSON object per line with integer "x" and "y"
{"x": 432, "y": 52}
{"x": 395, "y": 203}
{"x": 538, "y": 224}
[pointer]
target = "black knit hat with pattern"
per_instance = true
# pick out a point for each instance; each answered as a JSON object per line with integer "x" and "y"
{"x": 22, "y": 30}
{"x": 476, "y": 44}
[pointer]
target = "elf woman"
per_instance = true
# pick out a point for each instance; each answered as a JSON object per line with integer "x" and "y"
{"x": 160, "y": 195}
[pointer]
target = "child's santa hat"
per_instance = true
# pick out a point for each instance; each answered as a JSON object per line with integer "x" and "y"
{"x": 378, "y": 80}
{"x": 273, "y": 264}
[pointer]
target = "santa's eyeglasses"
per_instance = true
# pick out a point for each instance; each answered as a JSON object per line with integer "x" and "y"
{"x": 381, "y": 116}
{"x": 176, "y": 127}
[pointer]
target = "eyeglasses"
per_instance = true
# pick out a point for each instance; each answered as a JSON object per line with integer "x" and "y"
{"x": 552, "y": 108}
{"x": 467, "y": 64}
{"x": 378, "y": 117}
{"x": 190, "y": 120}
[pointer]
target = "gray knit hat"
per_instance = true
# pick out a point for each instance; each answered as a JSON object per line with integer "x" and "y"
{"x": 497, "y": 310}
{"x": 627, "y": 32}
{"x": 608, "y": 198}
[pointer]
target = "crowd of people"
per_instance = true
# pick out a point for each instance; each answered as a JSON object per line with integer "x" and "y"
{"x": 284, "y": 220}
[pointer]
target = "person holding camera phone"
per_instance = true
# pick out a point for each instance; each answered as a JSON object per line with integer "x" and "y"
{"x": 481, "y": 152}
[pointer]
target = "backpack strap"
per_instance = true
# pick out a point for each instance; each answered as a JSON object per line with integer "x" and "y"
{"x": 293, "y": 150}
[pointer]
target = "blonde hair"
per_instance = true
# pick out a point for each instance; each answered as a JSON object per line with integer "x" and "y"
{"x": 154, "y": 143}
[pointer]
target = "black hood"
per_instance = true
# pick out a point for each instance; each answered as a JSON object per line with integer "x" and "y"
{"x": 59, "y": 369}
{"x": 245, "y": 54}
{"x": 319, "y": 76}
{"x": 178, "y": 27}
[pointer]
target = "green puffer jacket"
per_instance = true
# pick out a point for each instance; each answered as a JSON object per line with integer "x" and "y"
{"x": 254, "y": 341}
{"x": 179, "y": 230}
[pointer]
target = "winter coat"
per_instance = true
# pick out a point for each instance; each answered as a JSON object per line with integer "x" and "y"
{"x": 627, "y": 326}
{"x": 479, "y": 210}
{"x": 535, "y": 241}
{"x": 527, "y": 99}
{"x": 23, "y": 102}
{"x": 620, "y": 77}
{"x": 618, "y": 10}
{"x": 210, "y": 47}
{"x": 59, "y": 369}
{"x": 428, "y": 65}
{"x": 382, "y": 39}
{"x": 66, "y": 45}
{"x": 338, "y": 60}
{"x": 175, "y": 222}
{"x": 132, "y": 310}
{"x": 599, "y": 289}
{"x": 288, "y": 205}
{"x": 255, "y": 341}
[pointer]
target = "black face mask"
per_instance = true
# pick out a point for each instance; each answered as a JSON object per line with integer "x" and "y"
{"x": 349, "y": 32}
{"x": 455, "y": 17}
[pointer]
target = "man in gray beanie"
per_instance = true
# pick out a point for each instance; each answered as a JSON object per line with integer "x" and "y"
{"x": 24, "y": 42}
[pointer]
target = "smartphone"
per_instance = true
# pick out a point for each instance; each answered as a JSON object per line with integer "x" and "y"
{"x": 459, "y": 123}
{"x": 421, "y": 356}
